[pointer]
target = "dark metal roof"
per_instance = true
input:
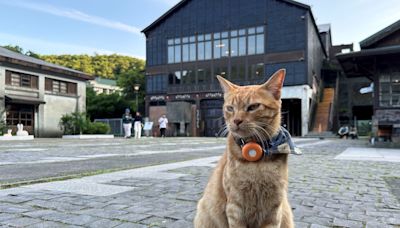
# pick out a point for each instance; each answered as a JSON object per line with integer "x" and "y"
{"x": 183, "y": 2}
{"x": 380, "y": 35}
{"x": 361, "y": 63}
{"x": 371, "y": 52}
{"x": 21, "y": 59}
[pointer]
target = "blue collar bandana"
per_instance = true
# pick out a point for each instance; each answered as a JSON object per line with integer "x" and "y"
{"x": 271, "y": 146}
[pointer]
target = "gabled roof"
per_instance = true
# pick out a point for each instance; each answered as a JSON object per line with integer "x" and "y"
{"x": 21, "y": 59}
{"x": 380, "y": 35}
{"x": 183, "y": 2}
{"x": 106, "y": 81}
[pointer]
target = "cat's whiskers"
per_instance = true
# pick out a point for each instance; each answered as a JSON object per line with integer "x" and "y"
{"x": 223, "y": 131}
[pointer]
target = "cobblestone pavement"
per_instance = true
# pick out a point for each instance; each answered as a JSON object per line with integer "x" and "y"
{"x": 323, "y": 191}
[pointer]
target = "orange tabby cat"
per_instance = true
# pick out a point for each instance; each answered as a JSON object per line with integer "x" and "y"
{"x": 241, "y": 193}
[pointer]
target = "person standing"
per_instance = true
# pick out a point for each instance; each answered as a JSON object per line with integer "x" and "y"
{"x": 127, "y": 123}
{"x": 163, "y": 121}
{"x": 138, "y": 125}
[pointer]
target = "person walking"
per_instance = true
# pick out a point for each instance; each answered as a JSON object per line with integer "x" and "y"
{"x": 127, "y": 123}
{"x": 138, "y": 125}
{"x": 163, "y": 121}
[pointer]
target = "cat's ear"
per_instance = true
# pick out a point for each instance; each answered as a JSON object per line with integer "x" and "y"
{"x": 225, "y": 84}
{"x": 275, "y": 83}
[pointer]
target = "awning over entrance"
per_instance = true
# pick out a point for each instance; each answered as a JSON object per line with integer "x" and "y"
{"x": 23, "y": 100}
{"x": 365, "y": 62}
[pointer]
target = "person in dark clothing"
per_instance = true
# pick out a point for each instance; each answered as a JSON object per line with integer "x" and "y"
{"x": 138, "y": 125}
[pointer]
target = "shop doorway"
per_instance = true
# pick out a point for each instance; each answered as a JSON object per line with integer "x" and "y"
{"x": 212, "y": 116}
{"x": 19, "y": 113}
{"x": 291, "y": 116}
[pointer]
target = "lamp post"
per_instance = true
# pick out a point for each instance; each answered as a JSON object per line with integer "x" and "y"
{"x": 136, "y": 88}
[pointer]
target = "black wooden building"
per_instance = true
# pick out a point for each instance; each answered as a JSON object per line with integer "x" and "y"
{"x": 242, "y": 40}
{"x": 378, "y": 61}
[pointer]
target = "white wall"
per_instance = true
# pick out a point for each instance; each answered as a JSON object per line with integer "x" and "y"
{"x": 305, "y": 93}
{"x": 47, "y": 116}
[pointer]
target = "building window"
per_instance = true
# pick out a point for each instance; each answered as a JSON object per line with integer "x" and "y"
{"x": 221, "y": 45}
{"x": 188, "y": 77}
{"x": 256, "y": 71}
{"x": 177, "y": 52}
{"x": 178, "y": 76}
{"x": 217, "y": 45}
{"x": 221, "y": 71}
{"x": 60, "y": 87}
{"x": 21, "y": 80}
{"x": 201, "y": 75}
{"x": 156, "y": 83}
{"x": 255, "y": 44}
{"x": 237, "y": 72}
{"x": 171, "y": 57}
{"x": 389, "y": 89}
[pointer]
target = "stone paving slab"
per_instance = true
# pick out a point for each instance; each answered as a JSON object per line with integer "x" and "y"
{"x": 370, "y": 154}
{"x": 323, "y": 191}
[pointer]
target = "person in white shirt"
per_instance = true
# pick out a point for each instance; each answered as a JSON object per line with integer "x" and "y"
{"x": 163, "y": 121}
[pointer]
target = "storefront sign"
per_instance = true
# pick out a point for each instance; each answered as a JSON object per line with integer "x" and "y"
{"x": 182, "y": 96}
{"x": 157, "y": 98}
{"x": 213, "y": 95}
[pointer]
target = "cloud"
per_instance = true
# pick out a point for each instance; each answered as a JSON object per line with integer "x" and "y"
{"x": 74, "y": 14}
{"x": 49, "y": 47}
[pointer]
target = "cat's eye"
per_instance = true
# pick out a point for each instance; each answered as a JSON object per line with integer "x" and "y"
{"x": 229, "y": 108}
{"x": 253, "y": 107}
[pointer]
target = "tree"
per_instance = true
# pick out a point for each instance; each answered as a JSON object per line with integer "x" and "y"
{"x": 32, "y": 54}
{"x": 128, "y": 80}
{"x": 99, "y": 106}
{"x": 106, "y": 66}
{"x": 14, "y": 48}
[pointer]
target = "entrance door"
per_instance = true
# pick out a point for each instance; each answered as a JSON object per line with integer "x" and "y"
{"x": 20, "y": 114}
{"x": 212, "y": 116}
{"x": 291, "y": 116}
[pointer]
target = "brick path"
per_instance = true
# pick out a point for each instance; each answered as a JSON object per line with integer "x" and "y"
{"x": 323, "y": 192}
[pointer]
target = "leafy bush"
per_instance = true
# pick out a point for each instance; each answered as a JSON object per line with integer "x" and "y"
{"x": 97, "y": 128}
{"x": 74, "y": 123}
{"x": 78, "y": 123}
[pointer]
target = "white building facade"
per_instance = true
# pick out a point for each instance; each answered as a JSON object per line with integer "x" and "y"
{"x": 105, "y": 86}
{"x": 37, "y": 93}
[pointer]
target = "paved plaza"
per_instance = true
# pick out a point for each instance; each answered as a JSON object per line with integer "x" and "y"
{"x": 157, "y": 182}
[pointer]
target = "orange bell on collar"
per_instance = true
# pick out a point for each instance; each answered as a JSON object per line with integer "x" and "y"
{"x": 252, "y": 151}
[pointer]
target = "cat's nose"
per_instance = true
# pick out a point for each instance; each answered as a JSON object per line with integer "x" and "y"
{"x": 238, "y": 121}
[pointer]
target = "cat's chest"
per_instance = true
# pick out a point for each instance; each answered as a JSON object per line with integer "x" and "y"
{"x": 253, "y": 178}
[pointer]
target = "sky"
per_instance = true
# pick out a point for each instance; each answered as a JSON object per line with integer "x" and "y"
{"x": 113, "y": 26}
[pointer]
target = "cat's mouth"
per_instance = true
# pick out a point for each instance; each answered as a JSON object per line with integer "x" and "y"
{"x": 240, "y": 131}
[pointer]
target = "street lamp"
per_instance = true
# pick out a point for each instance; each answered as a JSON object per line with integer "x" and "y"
{"x": 136, "y": 88}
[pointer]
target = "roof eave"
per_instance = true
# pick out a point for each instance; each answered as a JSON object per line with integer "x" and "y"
{"x": 166, "y": 14}
{"x": 80, "y": 75}
{"x": 380, "y": 35}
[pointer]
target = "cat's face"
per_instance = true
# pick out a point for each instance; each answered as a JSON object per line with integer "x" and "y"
{"x": 253, "y": 111}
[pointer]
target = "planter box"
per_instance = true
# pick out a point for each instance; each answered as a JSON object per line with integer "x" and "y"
{"x": 16, "y": 138}
{"x": 88, "y": 136}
